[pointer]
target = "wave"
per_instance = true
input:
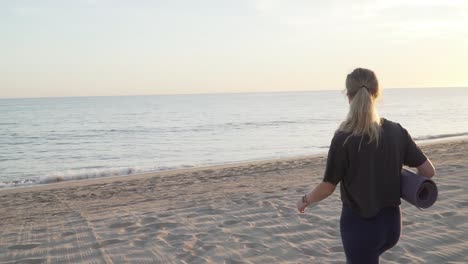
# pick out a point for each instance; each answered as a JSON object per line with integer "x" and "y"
{"x": 84, "y": 174}
{"x": 101, "y": 172}
{"x": 17, "y": 183}
{"x": 429, "y": 137}
{"x": 59, "y": 136}
{"x": 231, "y": 126}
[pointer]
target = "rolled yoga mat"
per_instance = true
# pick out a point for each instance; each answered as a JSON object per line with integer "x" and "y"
{"x": 418, "y": 190}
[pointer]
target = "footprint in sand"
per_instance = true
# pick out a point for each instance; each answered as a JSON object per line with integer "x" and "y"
{"x": 448, "y": 214}
{"x": 120, "y": 225}
{"x": 407, "y": 223}
{"x": 40, "y": 230}
{"x": 231, "y": 222}
{"x": 462, "y": 204}
{"x": 255, "y": 245}
{"x": 201, "y": 235}
{"x": 209, "y": 211}
{"x": 23, "y": 247}
{"x": 452, "y": 187}
{"x": 336, "y": 249}
{"x": 106, "y": 243}
{"x": 139, "y": 243}
{"x": 437, "y": 216}
{"x": 149, "y": 219}
{"x": 273, "y": 197}
{"x": 237, "y": 201}
{"x": 31, "y": 261}
{"x": 311, "y": 252}
{"x": 158, "y": 226}
{"x": 233, "y": 261}
{"x": 132, "y": 228}
{"x": 172, "y": 238}
{"x": 69, "y": 233}
{"x": 164, "y": 215}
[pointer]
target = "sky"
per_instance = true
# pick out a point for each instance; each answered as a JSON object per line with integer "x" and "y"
{"x": 110, "y": 47}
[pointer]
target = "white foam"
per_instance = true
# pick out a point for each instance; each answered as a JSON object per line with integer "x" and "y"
{"x": 442, "y": 136}
{"x": 83, "y": 174}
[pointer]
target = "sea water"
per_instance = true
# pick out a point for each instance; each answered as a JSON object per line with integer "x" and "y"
{"x": 50, "y": 139}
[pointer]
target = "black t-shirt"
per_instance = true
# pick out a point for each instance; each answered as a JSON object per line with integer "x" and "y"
{"x": 370, "y": 173}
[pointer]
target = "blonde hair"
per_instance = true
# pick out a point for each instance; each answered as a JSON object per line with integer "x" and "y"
{"x": 362, "y": 88}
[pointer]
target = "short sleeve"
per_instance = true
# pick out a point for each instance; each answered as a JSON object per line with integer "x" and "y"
{"x": 336, "y": 163}
{"x": 413, "y": 156}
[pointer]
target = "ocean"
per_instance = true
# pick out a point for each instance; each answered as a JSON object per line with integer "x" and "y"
{"x": 45, "y": 140}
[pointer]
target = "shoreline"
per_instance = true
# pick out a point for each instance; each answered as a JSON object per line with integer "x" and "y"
{"x": 43, "y": 186}
{"x": 164, "y": 173}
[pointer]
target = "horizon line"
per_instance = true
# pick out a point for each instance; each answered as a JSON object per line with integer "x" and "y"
{"x": 218, "y": 93}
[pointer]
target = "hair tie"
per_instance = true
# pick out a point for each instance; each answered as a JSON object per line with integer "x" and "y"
{"x": 365, "y": 87}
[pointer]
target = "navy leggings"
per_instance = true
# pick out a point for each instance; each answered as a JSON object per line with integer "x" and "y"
{"x": 365, "y": 239}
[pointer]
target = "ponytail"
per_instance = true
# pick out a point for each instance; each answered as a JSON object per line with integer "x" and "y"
{"x": 362, "y": 118}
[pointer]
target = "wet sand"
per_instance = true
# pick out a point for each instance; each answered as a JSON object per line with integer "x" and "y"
{"x": 239, "y": 213}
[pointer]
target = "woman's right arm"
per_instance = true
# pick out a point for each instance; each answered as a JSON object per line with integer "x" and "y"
{"x": 414, "y": 157}
{"x": 426, "y": 169}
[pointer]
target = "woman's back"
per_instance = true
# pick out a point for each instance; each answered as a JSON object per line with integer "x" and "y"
{"x": 370, "y": 172}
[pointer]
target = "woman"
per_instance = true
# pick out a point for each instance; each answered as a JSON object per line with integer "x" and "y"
{"x": 366, "y": 155}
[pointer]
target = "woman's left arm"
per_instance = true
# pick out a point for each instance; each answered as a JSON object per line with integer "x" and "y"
{"x": 320, "y": 192}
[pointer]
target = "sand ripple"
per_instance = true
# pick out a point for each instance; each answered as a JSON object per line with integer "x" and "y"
{"x": 230, "y": 214}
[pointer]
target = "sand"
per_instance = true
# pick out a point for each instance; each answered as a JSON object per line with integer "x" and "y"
{"x": 240, "y": 213}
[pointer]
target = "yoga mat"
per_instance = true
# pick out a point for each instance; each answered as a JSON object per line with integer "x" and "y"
{"x": 418, "y": 190}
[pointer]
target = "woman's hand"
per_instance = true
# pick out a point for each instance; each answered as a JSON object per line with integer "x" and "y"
{"x": 302, "y": 203}
{"x": 321, "y": 191}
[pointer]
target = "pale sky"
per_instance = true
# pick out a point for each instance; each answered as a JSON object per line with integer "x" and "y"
{"x": 110, "y": 47}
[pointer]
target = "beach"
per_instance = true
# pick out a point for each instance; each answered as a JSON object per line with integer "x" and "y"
{"x": 236, "y": 213}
